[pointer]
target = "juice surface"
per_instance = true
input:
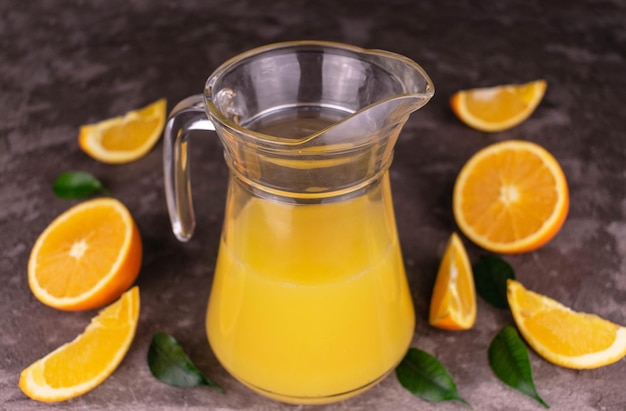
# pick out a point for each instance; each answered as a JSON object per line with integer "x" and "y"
{"x": 310, "y": 301}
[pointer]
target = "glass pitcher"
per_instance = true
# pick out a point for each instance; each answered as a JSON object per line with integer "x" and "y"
{"x": 309, "y": 302}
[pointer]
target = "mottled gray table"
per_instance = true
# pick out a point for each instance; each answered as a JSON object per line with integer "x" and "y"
{"x": 67, "y": 63}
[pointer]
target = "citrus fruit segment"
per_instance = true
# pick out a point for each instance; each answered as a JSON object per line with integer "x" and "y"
{"x": 87, "y": 257}
{"x": 453, "y": 304}
{"x": 125, "y": 138}
{"x": 511, "y": 197}
{"x": 79, "y": 366}
{"x": 498, "y": 108}
{"x": 562, "y": 336}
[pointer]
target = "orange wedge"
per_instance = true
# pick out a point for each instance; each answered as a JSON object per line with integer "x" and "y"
{"x": 511, "y": 197}
{"x": 81, "y": 365}
{"x": 87, "y": 257}
{"x": 126, "y": 138}
{"x": 562, "y": 336}
{"x": 453, "y": 304}
{"x": 498, "y": 108}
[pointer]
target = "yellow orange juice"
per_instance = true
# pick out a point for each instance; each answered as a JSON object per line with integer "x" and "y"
{"x": 310, "y": 302}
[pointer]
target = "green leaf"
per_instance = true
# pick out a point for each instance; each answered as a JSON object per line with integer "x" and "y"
{"x": 77, "y": 184}
{"x": 490, "y": 275}
{"x": 424, "y": 376}
{"x": 169, "y": 364}
{"x": 508, "y": 358}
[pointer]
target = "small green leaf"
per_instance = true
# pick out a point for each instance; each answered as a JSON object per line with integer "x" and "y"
{"x": 508, "y": 358}
{"x": 77, "y": 184}
{"x": 424, "y": 376}
{"x": 169, "y": 364}
{"x": 490, "y": 275}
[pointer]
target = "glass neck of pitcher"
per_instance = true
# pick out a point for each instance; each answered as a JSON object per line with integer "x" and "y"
{"x": 312, "y": 171}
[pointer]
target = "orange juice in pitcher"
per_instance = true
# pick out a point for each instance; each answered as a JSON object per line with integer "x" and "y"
{"x": 304, "y": 292}
{"x": 309, "y": 302}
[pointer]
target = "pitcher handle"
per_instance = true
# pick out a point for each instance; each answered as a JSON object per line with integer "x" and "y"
{"x": 188, "y": 115}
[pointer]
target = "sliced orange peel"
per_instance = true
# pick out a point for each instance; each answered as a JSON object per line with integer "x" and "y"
{"x": 562, "y": 336}
{"x": 453, "y": 304}
{"x": 82, "y": 364}
{"x": 498, "y": 108}
{"x": 125, "y": 138}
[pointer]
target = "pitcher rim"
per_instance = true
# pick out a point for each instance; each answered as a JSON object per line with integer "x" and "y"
{"x": 215, "y": 114}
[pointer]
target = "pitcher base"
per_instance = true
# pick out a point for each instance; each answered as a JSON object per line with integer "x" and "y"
{"x": 326, "y": 399}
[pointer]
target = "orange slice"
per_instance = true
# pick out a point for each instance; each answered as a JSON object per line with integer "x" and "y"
{"x": 453, "y": 304}
{"x": 126, "y": 138}
{"x": 511, "y": 197}
{"x": 79, "y": 366}
{"x": 498, "y": 108}
{"x": 87, "y": 257}
{"x": 562, "y": 336}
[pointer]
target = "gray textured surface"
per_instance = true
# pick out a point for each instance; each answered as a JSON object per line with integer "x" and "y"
{"x": 66, "y": 63}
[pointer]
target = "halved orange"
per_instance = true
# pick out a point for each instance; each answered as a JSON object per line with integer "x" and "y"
{"x": 126, "y": 138}
{"x": 511, "y": 197}
{"x": 453, "y": 304}
{"x": 498, "y": 108}
{"x": 87, "y": 257}
{"x": 79, "y": 366}
{"x": 562, "y": 336}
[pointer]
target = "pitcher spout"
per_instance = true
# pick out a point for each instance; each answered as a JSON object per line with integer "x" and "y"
{"x": 378, "y": 124}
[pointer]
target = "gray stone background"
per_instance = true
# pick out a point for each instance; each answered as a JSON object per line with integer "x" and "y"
{"x": 68, "y": 63}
